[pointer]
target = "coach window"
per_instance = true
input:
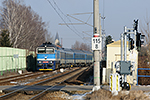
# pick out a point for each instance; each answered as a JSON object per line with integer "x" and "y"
{"x": 63, "y": 55}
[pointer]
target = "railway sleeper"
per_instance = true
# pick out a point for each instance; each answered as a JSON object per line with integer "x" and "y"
{"x": 31, "y": 92}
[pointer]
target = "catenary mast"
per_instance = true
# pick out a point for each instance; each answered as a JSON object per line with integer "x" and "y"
{"x": 96, "y": 38}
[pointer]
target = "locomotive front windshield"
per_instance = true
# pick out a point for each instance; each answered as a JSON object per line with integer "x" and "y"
{"x": 45, "y": 50}
{"x": 49, "y": 50}
{"x": 41, "y": 50}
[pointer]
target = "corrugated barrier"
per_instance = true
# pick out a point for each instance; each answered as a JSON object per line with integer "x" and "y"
{"x": 12, "y": 59}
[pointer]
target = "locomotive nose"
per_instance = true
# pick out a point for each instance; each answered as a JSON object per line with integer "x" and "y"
{"x": 45, "y": 66}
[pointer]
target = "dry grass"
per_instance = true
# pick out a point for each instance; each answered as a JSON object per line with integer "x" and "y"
{"x": 107, "y": 95}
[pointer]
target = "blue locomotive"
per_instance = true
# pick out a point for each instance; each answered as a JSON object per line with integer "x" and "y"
{"x": 51, "y": 57}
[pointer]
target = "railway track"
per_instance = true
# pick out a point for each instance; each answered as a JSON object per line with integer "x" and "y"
{"x": 52, "y": 82}
{"x": 26, "y": 78}
{"x": 57, "y": 82}
{"x": 21, "y": 77}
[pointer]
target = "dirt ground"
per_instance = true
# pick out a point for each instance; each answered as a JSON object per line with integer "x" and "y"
{"x": 107, "y": 95}
{"x": 98, "y": 95}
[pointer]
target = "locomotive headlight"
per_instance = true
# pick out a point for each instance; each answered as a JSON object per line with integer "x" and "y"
{"x": 40, "y": 61}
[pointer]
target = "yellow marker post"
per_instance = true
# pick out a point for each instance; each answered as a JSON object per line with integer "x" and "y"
{"x": 114, "y": 83}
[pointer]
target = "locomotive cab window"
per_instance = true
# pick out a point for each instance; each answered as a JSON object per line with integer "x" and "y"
{"x": 41, "y": 50}
{"x": 49, "y": 50}
{"x": 46, "y": 50}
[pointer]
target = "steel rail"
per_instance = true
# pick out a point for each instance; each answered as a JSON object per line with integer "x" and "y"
{"x": 12, "y": 76}
{"x": 18, "y": 77}
{"x": 76, "y": 74}
{"x": 8, "y": 95}
{"x": 40, "y": 83}
{"x": 36, "y": 97}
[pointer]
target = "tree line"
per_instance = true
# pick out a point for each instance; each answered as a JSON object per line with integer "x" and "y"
{"x": 81, "y": 46}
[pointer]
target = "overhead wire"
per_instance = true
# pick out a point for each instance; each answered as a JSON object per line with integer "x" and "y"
{"x": 89, "y": 18}
{"x": 84, "y": 39}
{"x": 65, "y": 15}
{"x": 71, "y": 21}
{"x": 63, "y": 19}
{"x": 75, "y": 30}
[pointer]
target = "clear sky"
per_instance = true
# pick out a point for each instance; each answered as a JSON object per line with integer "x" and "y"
{"x": 118, "y": 13}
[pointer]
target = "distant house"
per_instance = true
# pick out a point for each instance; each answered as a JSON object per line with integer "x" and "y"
{"x": 114, "y": 55}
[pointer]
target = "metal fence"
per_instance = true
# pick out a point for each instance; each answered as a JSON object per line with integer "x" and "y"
{"x": 142, "y": 75}
{"x": 12, "y": 59}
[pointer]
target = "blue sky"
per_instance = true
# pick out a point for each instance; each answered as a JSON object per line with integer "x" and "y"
{"x": 118, "y": 13}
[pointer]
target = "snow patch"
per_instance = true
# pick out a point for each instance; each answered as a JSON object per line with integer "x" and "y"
{"x": 79, "y": 96}
{"x": 24, "y": 83}
{"x": 147, "y": 94}
{"x": 14, "y": 82}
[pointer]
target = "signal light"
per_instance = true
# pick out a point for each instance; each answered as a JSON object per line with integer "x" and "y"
{"x": 142, "y": 39}
{"x": 139, "y": 41}
{"x": 131, "y": 44}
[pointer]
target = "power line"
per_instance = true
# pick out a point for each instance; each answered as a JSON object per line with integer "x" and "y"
{"x": 70, "y": 20}
{"x": 64, "y": 15}
{"x": 62, "y": 18}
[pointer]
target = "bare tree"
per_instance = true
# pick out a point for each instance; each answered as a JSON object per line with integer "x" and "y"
{"x": 8, "y": 13}
{"x": 84, "y": 46}
{"x": 145, "y": 29}
{"x": 49, "y": 37}
{"x": 144, "y": 54}
{"x": 76, "y": 45}
{"x": 81, "y": 46}
{"x": 26, "y": 28}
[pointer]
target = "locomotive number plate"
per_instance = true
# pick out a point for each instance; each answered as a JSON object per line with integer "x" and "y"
{"x": 45, "y": 61}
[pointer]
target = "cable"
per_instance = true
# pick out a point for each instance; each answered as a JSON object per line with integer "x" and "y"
{"x": 70, "y": 20}
{"x": 64, "y": 20}
{"x": 65, "y": 15}
{"x": 66, "y": 23}
{"x": 84, "y": 39}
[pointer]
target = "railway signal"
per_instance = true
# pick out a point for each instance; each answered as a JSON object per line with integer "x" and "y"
{"x": 123, "y": 67}
{"x": 135, "y": 26}
{"x": 131, "y": 44}
{"x": 139, "y": 38}
{"x": 139, "y": 41}
{"x": 142, "y": 39}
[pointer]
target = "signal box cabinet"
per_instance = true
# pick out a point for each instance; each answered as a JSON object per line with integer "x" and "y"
{"x": 125, "y": 67}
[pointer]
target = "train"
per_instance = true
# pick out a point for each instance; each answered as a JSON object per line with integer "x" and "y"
{"x": 51, "y": 57}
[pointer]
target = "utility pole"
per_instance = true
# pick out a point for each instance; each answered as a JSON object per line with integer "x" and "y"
{"x": 96, "y": 44}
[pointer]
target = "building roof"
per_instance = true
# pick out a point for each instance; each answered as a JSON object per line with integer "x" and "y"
{"x": 116, "y": 44}
{"x": 57, "y": 37}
